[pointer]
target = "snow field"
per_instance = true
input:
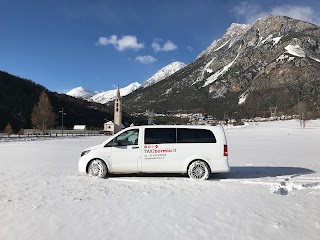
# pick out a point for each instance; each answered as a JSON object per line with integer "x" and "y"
{"x": 271, "y": 192}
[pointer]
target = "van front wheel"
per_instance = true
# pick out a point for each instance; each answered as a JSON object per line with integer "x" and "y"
{"x": 199, "y": 170}
{"x": 97, "y": 168}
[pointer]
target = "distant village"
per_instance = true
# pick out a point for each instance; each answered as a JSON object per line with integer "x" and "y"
{"x": 203, "y": 119}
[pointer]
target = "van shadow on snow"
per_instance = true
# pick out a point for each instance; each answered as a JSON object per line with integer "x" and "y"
{"x": 237, "y": 172}
{"x": 247, "y": 172}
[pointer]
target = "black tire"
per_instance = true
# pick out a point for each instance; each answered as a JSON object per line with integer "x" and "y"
{"x": 97, "y": 168}
{"x": 199, "y": 170}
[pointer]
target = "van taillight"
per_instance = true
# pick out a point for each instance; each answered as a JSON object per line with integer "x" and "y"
{"x": 225, "y": 150}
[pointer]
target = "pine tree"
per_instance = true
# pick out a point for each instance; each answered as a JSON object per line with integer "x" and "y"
{"x": 8, "y": 130}
{"x": 42, "y": 116}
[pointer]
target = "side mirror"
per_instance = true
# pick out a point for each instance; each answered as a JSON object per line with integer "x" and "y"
{"x": 115, "y": 143}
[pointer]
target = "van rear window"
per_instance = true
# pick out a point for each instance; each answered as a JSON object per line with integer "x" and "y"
{"x": 160, "y": 135}
{"x": 186, "y": 135}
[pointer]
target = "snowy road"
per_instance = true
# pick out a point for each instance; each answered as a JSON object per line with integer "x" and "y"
{"x": 272, "y": 192}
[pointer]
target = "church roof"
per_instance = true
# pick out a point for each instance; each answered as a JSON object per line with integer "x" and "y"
{"x": 118, "y": 92}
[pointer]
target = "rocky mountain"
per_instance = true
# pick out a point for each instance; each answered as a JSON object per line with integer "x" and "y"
{"x": 164, "y": 73}
{"x": 107, "y": 96}
{"x": 275, "y": 62}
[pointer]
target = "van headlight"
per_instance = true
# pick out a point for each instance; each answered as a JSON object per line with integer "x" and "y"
{"x": 85, "y": 152}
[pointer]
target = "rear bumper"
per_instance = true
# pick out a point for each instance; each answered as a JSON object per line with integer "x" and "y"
{"x": 221, "y": 170}
{"x": 220, "y": 166}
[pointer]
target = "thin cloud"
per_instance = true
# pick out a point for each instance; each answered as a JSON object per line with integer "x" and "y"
{"x": 190, "y": 49}
{"x": 166, "y": 47}
{"x": 302, "y": 13}
{"x": 251, "y": 12}
{"x": 121, "y": 44}
{"x": 146, "y": 59}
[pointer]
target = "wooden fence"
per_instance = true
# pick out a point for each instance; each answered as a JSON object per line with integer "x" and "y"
{"x": 50, "y": 135}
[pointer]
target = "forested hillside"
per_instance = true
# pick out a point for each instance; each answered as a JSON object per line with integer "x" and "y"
{"x": 18, "y": 96}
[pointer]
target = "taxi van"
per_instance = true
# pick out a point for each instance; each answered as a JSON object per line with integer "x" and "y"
{"x": 195, "y": 150}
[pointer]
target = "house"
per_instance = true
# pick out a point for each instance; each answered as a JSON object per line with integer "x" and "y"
{"x": 79, "y": 127}
{"x": 108, "y": 128}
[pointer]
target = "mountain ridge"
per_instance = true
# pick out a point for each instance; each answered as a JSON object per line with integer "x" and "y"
{"x": 107, "y": 96}
{"x": 256, "y": 66}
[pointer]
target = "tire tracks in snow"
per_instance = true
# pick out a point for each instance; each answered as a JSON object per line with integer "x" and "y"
{"x": 281, "y": 185}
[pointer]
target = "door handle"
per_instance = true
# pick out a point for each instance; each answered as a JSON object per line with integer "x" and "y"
{"x": 135, "y": 147}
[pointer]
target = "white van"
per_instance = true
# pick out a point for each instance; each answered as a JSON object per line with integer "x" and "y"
{"x": 196, "y": 150}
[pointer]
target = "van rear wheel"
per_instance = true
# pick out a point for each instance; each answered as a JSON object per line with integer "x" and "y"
{"x": 97, "y": 168}
{"x": 199, "y": 170}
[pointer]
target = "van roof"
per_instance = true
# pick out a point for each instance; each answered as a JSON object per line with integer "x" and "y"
{"x": 181, "y": 126}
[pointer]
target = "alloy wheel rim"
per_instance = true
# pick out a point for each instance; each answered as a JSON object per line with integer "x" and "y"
{"x": 198, "y": 171}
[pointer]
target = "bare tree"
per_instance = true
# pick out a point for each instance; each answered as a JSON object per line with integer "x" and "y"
{"x": 302, "y": 111}
{"x": 42, "y": 116}
{"x": 8, "y": 129}
{"x": 21, "y": 131}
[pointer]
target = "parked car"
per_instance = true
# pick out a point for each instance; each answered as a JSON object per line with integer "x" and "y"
{"x": 196, "y": 150}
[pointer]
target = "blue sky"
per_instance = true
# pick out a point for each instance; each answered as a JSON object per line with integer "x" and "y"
{"x": 63, "y": 44}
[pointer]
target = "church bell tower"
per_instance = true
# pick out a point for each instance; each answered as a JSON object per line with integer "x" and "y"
{"x": 117, "y": 112}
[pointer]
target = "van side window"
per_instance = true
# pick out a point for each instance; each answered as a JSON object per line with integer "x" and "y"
{"x": 126, "y": 138}
{"x": 160, "y": 135}
{"x": 188, "y": 135}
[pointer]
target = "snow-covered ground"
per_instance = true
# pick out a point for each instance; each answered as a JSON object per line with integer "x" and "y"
{"x": 272, "y": 192}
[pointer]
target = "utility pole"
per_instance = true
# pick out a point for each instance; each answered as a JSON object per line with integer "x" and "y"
{"x": 62, "y": 113}
{"x": 151, "y": 117}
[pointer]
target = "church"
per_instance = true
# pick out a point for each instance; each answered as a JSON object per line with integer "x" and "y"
{"x": 115, "y": 126}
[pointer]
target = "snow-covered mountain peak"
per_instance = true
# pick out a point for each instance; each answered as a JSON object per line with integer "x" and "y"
{"x": 236, "y": 29}
{"x": 164, "y": 73}
{"x": 80, "y": 92}
{"x": 109, "y": 95}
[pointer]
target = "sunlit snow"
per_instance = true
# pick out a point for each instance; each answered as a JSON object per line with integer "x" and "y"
{"x": 243, "y": 98}
{"x": 205, "y": 69}
{"x": 220, "y": 72}
{"x": 265, "y": 40}
{"x": 80, "y": 92}
{"x": 276, "y": 40}
{"x": 102, "y": 97}
{"x": 271, "y": 192}
{"x": 164, "y": 73}
{"x": 295, "y": 50}
{"x": 317, "y": 60}
{"x": 221, "y": 46}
